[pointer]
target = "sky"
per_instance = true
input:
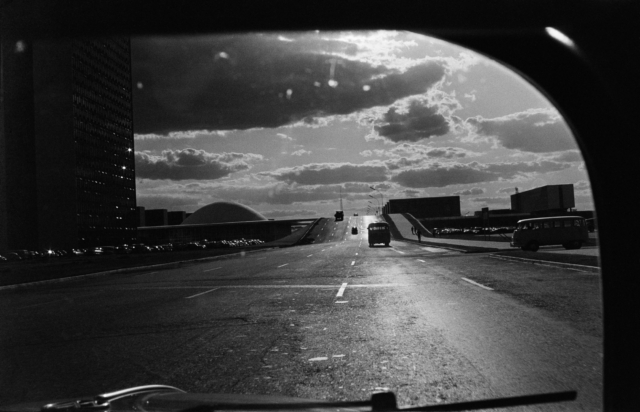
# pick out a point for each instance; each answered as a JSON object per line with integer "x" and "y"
{"x": 286, "y": 123}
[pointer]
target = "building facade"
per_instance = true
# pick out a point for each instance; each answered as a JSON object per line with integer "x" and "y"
{"x": 546, "y": 199}
{"x": 66, "y": 135}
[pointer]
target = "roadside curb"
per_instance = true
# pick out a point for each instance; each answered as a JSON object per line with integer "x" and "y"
{"x": 571, "y": 266}
{"x": 134, "y": 269}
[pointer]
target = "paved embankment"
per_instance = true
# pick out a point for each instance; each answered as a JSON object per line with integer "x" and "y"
{"x": 583, "y": 259}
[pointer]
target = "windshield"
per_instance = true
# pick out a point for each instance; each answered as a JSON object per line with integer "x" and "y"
{"x": 185, "y": 211}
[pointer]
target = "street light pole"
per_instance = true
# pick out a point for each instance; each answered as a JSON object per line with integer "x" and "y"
{"x": 377, "y": 201}
{"x": 381, "y": 197}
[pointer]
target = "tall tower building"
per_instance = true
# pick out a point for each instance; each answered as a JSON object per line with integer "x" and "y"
{"x": 66, "y": 144}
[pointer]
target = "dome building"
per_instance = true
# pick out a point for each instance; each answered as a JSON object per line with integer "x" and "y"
{"x": 223, "y": 212}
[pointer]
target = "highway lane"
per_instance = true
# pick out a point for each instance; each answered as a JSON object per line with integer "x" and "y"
{"x": 330, "y": 320}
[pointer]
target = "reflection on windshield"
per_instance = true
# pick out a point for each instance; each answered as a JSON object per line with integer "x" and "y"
{"x": 218, "y": 190}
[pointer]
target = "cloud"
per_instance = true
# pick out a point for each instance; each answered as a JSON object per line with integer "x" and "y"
{"x": 582, "y": 185}
{"x": 277, "y": 194}
{"x": 534, "y": 130}
{"x": 420, "y": 121}
{"x": 284, "y": 136}
{"x": 235, "y": 81}
{"x": 411, "y": 192}
{"x": 508, "y": 190}
{"x": 493, "y": 200}
{"x": 467, "y": 192}
{"x": 431, "y": 152}
{"x": 191, "y": 164}
{"x": 437, "y": 175}
{"x": 300, "y": 152}
{"x": 289, "y": 213}
{"x": 182, "y": 135}
{"x": 568, "y": 156}
{"x": 329, "y": 173}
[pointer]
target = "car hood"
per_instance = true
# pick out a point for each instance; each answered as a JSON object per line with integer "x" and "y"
{"x": 167, "y": 399}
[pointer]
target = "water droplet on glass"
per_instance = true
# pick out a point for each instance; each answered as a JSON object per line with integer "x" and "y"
{"x": 21, "y": 46}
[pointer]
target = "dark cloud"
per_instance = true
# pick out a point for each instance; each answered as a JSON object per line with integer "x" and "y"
{"x": 247, "y": 81}
{"x": 420, "y": 122}
{"x": 534, "y": 130}
{"x": 468, "y": 192}
{"x": 403, "y": 162}
{"x": 289, "y": 213}
{"x": 431, "y": 152}
{"x": 191, "y": 164}
{"x": 329, "y": 173}
{"x": 437, "y": 175}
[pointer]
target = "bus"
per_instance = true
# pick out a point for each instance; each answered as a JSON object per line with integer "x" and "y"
{"x": 568, "y": 231}
{"x": 379, "y": 233}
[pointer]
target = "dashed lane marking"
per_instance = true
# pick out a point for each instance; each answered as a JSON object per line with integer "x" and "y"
{"x": 435, "y": 249}
{"x": 420, "y": 260}
{"x": 283, "y": 265}
{"x": 372, "y": 285}
{"x": 198, "y": 294}
{"x": 353, "y": 263}
{"x": 209, "y": 270}
{"x": 309, "y": 255}
{"x": 477, "y": 284}
{"x": 397, "y": 251}
{"x": 341, "y": 291}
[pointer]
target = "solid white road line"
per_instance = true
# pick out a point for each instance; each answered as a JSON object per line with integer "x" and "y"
{"x": 341, "y": 291}
{"x": 209, "y": 270}
{"x": 210, "y": 290}
{"x": 283, "y": 265}
{"x": 477, "y": 284}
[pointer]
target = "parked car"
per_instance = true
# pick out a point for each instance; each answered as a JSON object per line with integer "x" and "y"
{"x": 354, "y": 230}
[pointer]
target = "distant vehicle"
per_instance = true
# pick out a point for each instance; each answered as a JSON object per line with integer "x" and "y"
{"x": 568, "y": 231}
{"x": 379, "y": 233}
{"x": 339, "y": 215}
{"x": 354, "y": 230}
{"x": 355, "y": 214}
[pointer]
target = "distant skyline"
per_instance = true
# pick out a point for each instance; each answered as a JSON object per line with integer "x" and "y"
{"x": 282, "y": 122}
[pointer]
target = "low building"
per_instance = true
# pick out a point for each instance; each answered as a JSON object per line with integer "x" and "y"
{"x": 156, "y": 217}
{"x": 176, "y": 217}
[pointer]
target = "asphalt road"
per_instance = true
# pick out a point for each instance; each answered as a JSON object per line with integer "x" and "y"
{"x": 333, "y": 320}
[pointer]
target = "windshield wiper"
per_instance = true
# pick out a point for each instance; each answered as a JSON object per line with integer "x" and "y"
{"x": 103, "y": 401}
